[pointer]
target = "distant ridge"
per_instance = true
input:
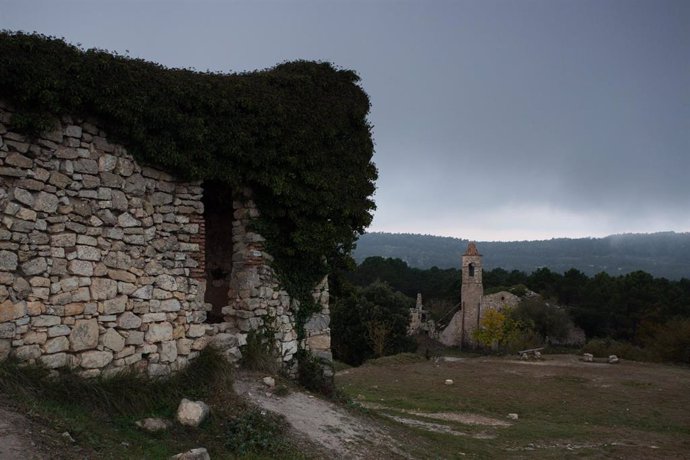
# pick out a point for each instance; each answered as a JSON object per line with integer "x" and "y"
{"x": 663, "y": 254}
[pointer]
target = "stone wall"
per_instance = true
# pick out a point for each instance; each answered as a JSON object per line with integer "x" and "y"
{"x": 257, "y": 301}
{"x": 103, "y": 262}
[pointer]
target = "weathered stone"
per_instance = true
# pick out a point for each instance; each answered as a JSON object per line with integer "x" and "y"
{"x": 23, "y": 196}
{"x": 73, "y": 131}
{"x": 184, "y": 346}
{"x": 168, "y": 351}
{"x": 59, "y": 330}
{"x": 319, "y": 342}
{"x": 10, "y": 310}
{"x": 35, "y": 266}
{"x": 166, "y": 282}
{"x": 95, "y": 359}
{"x": 115, "y": 306}
{"x": 88, "y": 253}
{"x": 144, "y": 293}
{"x": 56, "y": 345}
{"x": 196, "y": 330}
{"x": 54, "y": 361}
{"x": 113, "y": 340}
{"x": 84, "y": 335}
{"x": 7, "y": 330}
{"x": 27, "y": 352}
{"x": 159, "y": 332}
{"x": 5, "y": 348}
{"x": 45, "y": 320}
{"x": 198, "y": 453}
{"x": 270, "y": 382}
{"x": 128, "y": 320}
{"x": 34, "y": 337}
{"x": 192, "y": 413}
{"x": 103, "y": 289}
{"x": 8, "y": 261}
{"x": 81, "y": 267}
{"x": 18, "y": 160}
{"x": 45, "y": 202}
{"x": 613, "y": 359}
{"x": 122, "y": 275}
{"x": 134, "y": 338}
{"x": 153, "y": 424}
{"x": 126, "y": 220}
{"x": 59, "y": 180}
{"x": 170, "y": 305}
{"x": 588, "y": 357}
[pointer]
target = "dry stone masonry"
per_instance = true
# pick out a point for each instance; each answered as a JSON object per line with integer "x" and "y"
{"x": 103, "y": 261}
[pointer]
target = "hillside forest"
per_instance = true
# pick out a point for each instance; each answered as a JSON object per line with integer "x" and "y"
{"x": 636, "y": 314}
{"x": 663, "y": 254}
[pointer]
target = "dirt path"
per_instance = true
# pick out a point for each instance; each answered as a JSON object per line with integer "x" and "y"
{"x": 343, "y": 434}
{"x": 15, "y": 438}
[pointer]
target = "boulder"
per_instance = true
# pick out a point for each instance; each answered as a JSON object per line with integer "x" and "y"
{"x": 153, "y": 424}
{"x": 588, "y": 357}
{"x": 192, "y": 413}
{"x": 198, "y": 453}
{"x": 613, "y": 359}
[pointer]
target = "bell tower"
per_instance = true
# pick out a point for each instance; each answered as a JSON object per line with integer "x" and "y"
{"x": 471, "y": 293}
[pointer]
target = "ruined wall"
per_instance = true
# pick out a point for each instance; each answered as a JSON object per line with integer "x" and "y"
{"x": 498, "y": 301}
{"x": 257, "y": 301}
{"x": 102, "y": 262}
{"x": 98, "y": 256}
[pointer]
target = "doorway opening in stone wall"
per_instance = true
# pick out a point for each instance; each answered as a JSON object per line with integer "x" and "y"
{"x": 218, "y": 218}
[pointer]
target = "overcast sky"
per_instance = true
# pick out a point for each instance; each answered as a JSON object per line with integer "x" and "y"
{"x": 493, "y": 120}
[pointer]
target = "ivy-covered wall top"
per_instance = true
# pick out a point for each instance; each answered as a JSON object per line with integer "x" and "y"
{"x": 296, "y": 134}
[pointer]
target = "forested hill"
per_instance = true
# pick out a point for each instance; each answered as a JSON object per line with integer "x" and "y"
{"x": 664, "y": 254}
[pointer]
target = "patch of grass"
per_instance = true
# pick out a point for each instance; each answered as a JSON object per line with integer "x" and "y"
{"x": 100, "y": 413}
{"x": 402, "y": 358}
{"x": 340, "y": 366}
{"x": 560, "y": 402}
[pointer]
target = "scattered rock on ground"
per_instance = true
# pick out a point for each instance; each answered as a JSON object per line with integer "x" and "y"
{"x": 199, "y": 453}
{"x": 588, "y": 357}
{"x": 513, "y": 416}
{"x": 192, "y": 413}
{"x": 448, "y": 381}
{"x": 153, "y": 424}
{"x": 270, "y": 382}
{"x": 613, "y": 359}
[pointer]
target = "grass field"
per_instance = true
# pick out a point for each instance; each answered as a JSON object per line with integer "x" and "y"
{"x": 566, "y": 408}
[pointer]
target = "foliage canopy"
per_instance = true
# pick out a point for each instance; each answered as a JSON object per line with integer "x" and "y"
{"x": 296, "y": 134}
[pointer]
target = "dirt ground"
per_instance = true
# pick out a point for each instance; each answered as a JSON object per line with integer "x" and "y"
{"x": 339, "y": 433}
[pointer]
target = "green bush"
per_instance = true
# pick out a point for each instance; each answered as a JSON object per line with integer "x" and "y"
{"x": 259, "y": 353}
{"x": 255, "y": 431}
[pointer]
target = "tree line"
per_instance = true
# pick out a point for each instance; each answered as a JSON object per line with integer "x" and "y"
{"x": 636, "y": 308}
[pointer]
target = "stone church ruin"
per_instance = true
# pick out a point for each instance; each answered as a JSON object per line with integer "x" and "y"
{"x": 106, "y": 264}
{"x": 214, "y": 207}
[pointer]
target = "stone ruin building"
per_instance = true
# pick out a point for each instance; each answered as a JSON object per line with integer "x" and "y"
{"x": 473, "y": 303}
{"x": 420, "y": 320}
{"x": 106, "y": 264}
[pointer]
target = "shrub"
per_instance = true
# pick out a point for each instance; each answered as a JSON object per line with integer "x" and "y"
{"x": 255, "y": 431}
{"x": 602, "y": 348}
{"x": 259, "y": 354}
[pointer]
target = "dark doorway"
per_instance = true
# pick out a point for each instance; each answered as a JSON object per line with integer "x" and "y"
{"x": 218, "y": 216}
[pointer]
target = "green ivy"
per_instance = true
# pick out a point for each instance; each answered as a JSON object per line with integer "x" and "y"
{"x": 296, "y": 134}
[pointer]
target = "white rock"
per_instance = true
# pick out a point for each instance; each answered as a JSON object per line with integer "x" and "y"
{"x": 153, "y": 424}
{"x": 613, "y": 359}
{"x": 198, "y": 453}
{"x": 192, "y": 413}
{"x": 269, "y": 382}
{"x": 513, "y": 416}
{"x": 588, "y": 357}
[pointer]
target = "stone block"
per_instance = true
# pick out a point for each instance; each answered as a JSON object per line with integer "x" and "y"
{"x": 134, "y": 338}
{"x": 35, "y": 337}
{"x": 35, "y": 266}
{"x": 81, "y": 267}
{"x": 115, "y": 306}
{"x": 111, "y": 339}
{"x": 159, "y": 332}
{"x": 45, "y": 202}
{"x": 45, "y": 321}
{"x": 56, "y": 345}
{"x": 128, "y": 320}
{"x": 8, "y": 261}
{"x": 59, "y": 330}
{"x": 54, "y": 361}
{"x": 103, "y": 288}
{"x": 84, "y": 335}
{"x": 10, "y": 311}
{"x": 7, "y": 330}
{"x": 168, "y": 351}
{"x": 95, "y": 359}
{"x": 27, "y": 352}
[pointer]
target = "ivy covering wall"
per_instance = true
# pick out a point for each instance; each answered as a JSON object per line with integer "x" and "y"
{"x": 296, "y": 134}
